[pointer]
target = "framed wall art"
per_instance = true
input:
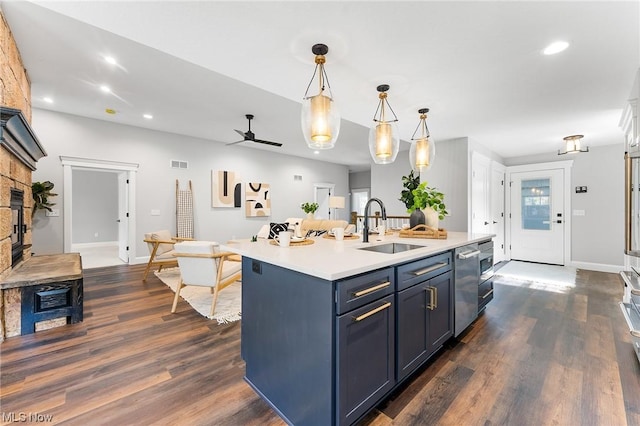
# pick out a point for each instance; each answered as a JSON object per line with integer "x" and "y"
{"x": 257, "y": 199}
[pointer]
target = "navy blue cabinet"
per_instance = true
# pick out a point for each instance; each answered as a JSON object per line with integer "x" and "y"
{"x": 424, "y": 314}
{"x": 326, "y": 352}
{"x": 366, "y": 358}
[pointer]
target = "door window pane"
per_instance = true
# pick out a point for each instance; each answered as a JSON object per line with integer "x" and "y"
{"x": 536, "y": 212}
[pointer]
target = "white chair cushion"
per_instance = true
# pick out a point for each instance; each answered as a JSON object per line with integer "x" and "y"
{"x": 163, "y": 235}
{"x": 264, "y": 232}
{"x": 202, "y": 271}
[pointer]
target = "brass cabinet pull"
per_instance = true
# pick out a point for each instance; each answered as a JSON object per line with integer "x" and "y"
{"x": 488, "y": 294}
{"x": 371, "y": 289}
{"x": 429, "y": 269}
{"x": 433, "y": 298}
{"x": 372, "y": 312}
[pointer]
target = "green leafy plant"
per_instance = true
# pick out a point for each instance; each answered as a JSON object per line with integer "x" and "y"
{"x": 424, "y": 196}
{"x": 309, "y": 207}
{"x": 409, "y": 182}
{"x": 41, "y": 193}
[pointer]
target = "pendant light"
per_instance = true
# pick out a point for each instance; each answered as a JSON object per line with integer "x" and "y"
{"x": 423, "y": 150}
{"x": 384, "y": 141}
{"x": 573, "y": 145}
{"x": 320, "y": 117}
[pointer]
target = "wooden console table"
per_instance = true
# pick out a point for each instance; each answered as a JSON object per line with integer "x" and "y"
{"x": 51, "y": 287}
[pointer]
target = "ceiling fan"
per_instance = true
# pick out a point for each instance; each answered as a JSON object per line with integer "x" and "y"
{"x": 250, "y": 136}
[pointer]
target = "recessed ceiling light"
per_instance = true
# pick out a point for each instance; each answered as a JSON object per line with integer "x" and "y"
{"x": 110, "y": 111}
{"x": 316, "y": 152}
{"x": 555, "y": 47}
{"x": 105, "y": 89}
{"x": 110, "y": 59}
{"x": 47, "y": 100}
{"x": 148, "y": 116}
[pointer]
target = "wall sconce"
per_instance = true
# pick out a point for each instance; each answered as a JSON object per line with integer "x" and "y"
{"x": 384, "y": 142}
{"x": 423, "y": 150}
{"x": 572, "y": 145}
{"x": 336, "y": 202}
{"x": 320, "y": 117}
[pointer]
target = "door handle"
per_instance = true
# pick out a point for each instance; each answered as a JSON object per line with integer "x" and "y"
{"x": 486, "y": 223}
{"x": 468, "y": 254}
{"x": 495, "y": 221}
{"x": 558, "y": 221}
{"x": 118, "y": 220}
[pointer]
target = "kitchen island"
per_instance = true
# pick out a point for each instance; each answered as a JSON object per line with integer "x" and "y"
{"x": 329, "y": 329}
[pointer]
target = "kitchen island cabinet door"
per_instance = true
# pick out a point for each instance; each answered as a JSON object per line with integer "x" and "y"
{"x": 365, "y": 357}
{"x": 413, "y": 328}
{"x": 425, "y": 321}
{"x": 441, "y": 316}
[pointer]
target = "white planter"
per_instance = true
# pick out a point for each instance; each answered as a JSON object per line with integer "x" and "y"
{"x": 431, "y": 218}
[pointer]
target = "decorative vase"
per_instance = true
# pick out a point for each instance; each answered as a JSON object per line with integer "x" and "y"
{"x": 416, "y": 218}
{"x": 311, "y": 215}
{"x": 431, "y": 218}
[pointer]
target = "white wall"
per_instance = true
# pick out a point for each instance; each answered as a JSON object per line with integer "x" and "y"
{"x": 597, "y": 238}
{"x": 68, "y": 135}
{"x": 450, "y": 175}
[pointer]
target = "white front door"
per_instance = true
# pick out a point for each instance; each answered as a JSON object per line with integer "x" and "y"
{"x": 538, "y": 216}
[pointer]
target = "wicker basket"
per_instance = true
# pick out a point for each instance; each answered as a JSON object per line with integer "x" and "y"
{"x": 424, "y": 231}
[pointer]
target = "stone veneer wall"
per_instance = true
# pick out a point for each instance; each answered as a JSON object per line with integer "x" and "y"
{"x": 15, "y": 92}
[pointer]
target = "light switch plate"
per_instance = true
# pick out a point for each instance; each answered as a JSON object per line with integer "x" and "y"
{"x": 155, "y": 212}
{"x": 53, "y": 213}
{"x": 578, "y": 212}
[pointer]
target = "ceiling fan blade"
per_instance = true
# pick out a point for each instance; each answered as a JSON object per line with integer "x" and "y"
{"x": 233, "y": 143}
{"x": 267, "y": 142}
{"x": 240, "y": 133}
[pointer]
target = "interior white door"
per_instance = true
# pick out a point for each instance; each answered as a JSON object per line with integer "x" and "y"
{"x": 123, "y": 219}
{"x": 480, "y": 207}
{"x": 497, "y": 212}
{"x": 537, "y": 216}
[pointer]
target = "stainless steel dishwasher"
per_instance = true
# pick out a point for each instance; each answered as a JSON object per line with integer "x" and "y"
{"x": 466, "y": 274}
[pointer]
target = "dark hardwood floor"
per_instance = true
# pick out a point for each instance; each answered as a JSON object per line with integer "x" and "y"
{"x": 535, "y": 357}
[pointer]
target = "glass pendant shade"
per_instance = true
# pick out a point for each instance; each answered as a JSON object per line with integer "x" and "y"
{"x": 422, "y": 154}
{"x": 423, "y": 150}
{"x": 320, "y": 118}
{"x": 384, "y": 139}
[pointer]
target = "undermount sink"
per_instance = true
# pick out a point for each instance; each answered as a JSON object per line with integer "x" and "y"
{"x": 391, "y": 248}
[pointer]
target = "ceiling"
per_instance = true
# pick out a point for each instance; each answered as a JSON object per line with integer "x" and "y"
{"x": 199, "y": 67}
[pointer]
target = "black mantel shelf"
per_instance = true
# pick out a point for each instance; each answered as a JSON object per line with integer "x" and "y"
{"x": 18, "y": 138}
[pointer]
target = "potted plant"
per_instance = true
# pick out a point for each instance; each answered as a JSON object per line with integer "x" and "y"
{"x": 409, "y": 182}
{"x": 309, "y": 209}
{"x": 430, "y": 202}
{"x": 41, "y": 191}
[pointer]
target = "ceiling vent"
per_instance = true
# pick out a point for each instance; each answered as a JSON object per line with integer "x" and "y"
{"x": 178, "y": 164}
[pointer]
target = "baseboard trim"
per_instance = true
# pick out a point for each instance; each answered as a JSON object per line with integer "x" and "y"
{"x": 80, "y": 246}
{"x": 600, "y": 267}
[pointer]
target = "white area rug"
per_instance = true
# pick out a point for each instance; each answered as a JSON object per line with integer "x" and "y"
{"x": 539, "y": 276}
{"x": 228, "y": 307}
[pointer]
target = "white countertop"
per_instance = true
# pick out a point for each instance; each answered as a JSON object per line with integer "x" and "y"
{"x": 331, "y": 260}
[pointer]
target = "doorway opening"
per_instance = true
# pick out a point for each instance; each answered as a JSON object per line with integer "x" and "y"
{"x": 99, "y": 219}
